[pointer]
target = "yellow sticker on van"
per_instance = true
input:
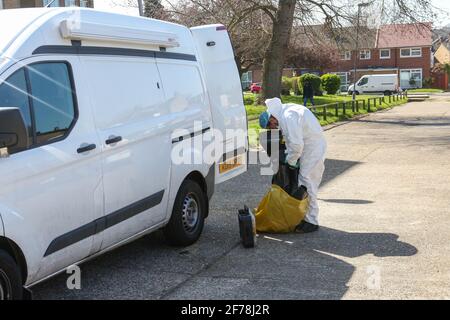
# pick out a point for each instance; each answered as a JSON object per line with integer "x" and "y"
{"x": 231, "y": 164}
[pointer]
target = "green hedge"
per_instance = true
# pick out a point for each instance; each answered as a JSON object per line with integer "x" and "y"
{"x": 286, "y": 85}
{"x": 249, "y": 99}
{"x": 315, "y": 80}
{"x": 331, "y": 83}
{"x": 298, "y": 91}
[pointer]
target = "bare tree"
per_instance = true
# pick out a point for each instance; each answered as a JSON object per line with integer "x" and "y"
{"x": 318, "y": 57}
{"x": 247, "y": 23}
{"x": 275, "y": 54}
{"x": 335, "y": 15}
{"x": 257, "y": 26}
{"x": 154, "y": 9}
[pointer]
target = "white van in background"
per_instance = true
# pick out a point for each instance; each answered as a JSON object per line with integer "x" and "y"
{"x": 376, "y": 83}
{"x": 92, "y": 107}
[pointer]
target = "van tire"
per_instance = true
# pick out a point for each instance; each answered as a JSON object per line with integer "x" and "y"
{"x": 351, "y": 92}
{"x": 387, "y": 93}
{"x": 188, "y": 215}
{"x": 10, "y": 278}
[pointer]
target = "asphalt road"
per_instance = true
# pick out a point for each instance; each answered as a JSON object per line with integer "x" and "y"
{"x": 385, "y": 217}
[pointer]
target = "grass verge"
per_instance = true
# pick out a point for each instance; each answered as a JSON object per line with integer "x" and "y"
{"x": 424, "y": 90}
{"x": 332, "y": 115}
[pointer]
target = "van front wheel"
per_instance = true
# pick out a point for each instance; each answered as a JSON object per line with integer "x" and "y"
{"x": 188, "y": 215}
{"x": 10, "y": 278}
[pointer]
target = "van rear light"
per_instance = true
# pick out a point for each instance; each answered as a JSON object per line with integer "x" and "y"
{"x": 221, "y": 28}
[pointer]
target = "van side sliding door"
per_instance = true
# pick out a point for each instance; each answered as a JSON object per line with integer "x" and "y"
{"x": 132, "y": 124}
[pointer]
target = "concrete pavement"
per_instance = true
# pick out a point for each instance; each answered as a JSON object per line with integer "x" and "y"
{"x": 385, "y": 217}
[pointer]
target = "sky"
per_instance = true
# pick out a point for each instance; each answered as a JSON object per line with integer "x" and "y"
{"x": 120, "y": 6}
{"x": 445, "y": 6}
{"x": 114, "y": 6}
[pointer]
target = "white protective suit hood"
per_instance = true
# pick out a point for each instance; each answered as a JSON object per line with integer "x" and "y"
{"x": 274, "y": 107}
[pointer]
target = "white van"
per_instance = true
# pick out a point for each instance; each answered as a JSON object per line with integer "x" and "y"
{"x": 376, "y": 83}
{"x": 92, "y": 107}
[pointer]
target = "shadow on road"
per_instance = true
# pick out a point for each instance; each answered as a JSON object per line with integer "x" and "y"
{"x": 335, "y": 168}
{"x": 313, "y": 270}
{"x": 350, "y": 244}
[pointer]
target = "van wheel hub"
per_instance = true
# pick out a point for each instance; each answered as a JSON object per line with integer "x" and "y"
{"x": 190, "y": 212}
{"x": 5, "y": 286}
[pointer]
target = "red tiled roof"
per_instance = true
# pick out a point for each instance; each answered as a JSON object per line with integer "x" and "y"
{"x": 404, "y": 35}
{"x": 342, "y": 39}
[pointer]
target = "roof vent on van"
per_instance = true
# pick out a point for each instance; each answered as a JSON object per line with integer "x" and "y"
{"x": 82, "y": 30}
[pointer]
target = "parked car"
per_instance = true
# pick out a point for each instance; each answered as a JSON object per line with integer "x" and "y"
{"x": 376, "y": 83}
{"x": 90, "y": 114}
{"x": 256, "y": 87}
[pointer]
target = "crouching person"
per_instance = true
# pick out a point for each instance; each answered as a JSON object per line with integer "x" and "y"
{"x": 305, "y": 141}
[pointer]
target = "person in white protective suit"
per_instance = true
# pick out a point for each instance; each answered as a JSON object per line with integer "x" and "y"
{"x": 305, "y": 141}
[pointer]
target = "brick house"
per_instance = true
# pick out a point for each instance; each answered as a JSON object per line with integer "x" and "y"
{"x": 255, "y": 75}
{"x": 11, "y": 4}
{"x": 403, "y": 49}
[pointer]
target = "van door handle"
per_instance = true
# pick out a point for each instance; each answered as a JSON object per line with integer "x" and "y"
{"x": 85, "y": 148}
{"x": 113, "y": 139}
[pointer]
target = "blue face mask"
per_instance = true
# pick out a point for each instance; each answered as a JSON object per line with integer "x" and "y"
{"x": 264, "y": 119}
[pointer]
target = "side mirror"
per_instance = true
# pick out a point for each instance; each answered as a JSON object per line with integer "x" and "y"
{"x": 13, "y": 131}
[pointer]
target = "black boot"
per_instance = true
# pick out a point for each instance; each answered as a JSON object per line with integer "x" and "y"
{"x": 301, "y": 193}
{"x": 294, "y": 190}
{"x": 293, "y": 180}
{"x": 306, "y": 227}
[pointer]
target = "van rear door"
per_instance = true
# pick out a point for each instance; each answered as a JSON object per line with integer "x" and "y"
{"x": 225, "y": 95}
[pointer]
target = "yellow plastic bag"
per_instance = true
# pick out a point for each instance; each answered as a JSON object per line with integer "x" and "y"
{"x": 278, "y": 212}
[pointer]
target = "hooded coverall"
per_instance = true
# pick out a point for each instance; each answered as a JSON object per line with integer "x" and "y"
{"x": 305, "y": 141}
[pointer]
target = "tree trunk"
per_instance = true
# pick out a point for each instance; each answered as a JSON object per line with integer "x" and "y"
{"x": 275, "y": 54}
{"x": 239, "y": 66}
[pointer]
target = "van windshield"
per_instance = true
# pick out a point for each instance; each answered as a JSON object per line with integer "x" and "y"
{"x": 363, "y": 81}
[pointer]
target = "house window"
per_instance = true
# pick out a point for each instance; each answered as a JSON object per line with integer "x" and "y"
{"x": 52, "y": 4}
{"x": 410, "y": 52}
{"x": 346, "y": 55}
{"x": 364, "y": 54}
{"x": 247, "y": 79}
{"x": 385, "y": 53}
{"x": 410, "y": 78}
